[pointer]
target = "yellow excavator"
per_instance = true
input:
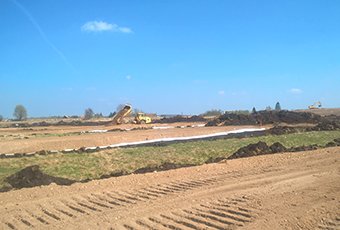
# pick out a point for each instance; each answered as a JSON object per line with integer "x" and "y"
{"x": 316, "y": 105}
{"x": 140, "y": 118}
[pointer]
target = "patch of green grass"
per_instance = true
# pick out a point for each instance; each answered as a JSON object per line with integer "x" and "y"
{"x": 93, "y": 165}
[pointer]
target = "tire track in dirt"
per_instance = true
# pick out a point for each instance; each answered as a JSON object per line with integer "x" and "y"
{"x": 213, "y": 200}
{"x": 331, "y": 224}
{"x": 219, "y": 214}
{"x": 77, "y": 207}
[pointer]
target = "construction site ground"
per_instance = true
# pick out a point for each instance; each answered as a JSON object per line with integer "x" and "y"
{"x": 298, "y": 190}
{"x": 25, "y": 140}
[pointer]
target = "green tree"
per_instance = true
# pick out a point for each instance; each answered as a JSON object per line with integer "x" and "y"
{"x": 213, "y": 112}
{"x": 1, "y": 118}
{"x": 253, "y": 111}
{"x": 112, "y": 114}
{"x": 278, "y": 106}
{"x": 20, "y": 112}
{"x": 88, "y": 114}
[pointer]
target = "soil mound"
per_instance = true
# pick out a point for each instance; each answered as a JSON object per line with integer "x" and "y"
{"x": 32, "y": 176}
{"x": 162, "y": 167}
{"x": 277, "y": 147}
{"x": 280, "y": 130}
{"x": 259, "y": 148}
{"x": 181, "y": 119}
{"x": 303, "y": 148}
{"x": 265, "y": 117}
{"x": 326, "y": 125}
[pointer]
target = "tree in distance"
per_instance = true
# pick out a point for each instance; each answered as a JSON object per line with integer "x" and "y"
{"x": 277, "y": 106}
{"x": 112, "y": 114}
{"x": 268, "y": 108}
{"x": 253, "y": 111}
{"x": 88, "y": 114}
{"x": 20, "y": 112}
{"x": 1, "y": 118}
{"x": 136, "y": 111}
{"x": 212, "y": 112}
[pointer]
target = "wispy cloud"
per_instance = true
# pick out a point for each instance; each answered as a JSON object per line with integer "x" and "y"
{"x": 100, "y": 26}
{"x": 42, "y": 33}
{"x": 295, "y": 91}
{"x": 221, "y": 92}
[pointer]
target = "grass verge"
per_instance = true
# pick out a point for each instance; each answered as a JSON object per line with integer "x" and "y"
{"x": 93, "y": 165}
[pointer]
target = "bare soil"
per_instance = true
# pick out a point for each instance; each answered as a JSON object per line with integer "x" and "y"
{"x": 282, "y": 191}
{"x": 323, "y": 111}
{"x": 24, "y": 140}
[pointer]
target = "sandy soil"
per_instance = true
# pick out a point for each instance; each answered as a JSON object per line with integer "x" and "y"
{"x": 283, "y": 191}
{"x": 323, "y": 111}
{"x": 22, "y": 141}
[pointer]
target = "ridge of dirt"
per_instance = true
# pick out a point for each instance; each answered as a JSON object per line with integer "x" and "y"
{"x": 179, "y": 118}
{"x": 32, "y": 176}
{"x": 265, "y": 117}
{"x": 261, "y": 148}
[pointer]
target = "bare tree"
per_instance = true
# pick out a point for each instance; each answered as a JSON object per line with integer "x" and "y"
{"x": 20, "y": 112}
{"x": 88, "y": 114}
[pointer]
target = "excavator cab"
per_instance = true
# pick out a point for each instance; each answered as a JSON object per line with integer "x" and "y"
{"x": 316, "y": 105}
{"x": 141, "y": 118}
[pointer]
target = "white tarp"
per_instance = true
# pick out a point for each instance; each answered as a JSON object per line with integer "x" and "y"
{"x": 168, "y": 139}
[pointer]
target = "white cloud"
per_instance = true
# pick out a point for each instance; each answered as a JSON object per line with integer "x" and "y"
{"x": 128, "y": 77}
{"x": 221, "y": 92}
{"x": 126, "y": 30}
{"x": 99, "y": 26}
{"x": 295, "y": 91}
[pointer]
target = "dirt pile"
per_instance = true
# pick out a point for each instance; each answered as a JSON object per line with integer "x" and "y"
{"x": 326, "y": 125}
{"x": 265, "y": 117}
{"x": 277, "y": 147}
{"x": 181, "y": 119}
{"x": 280, "y": 130}
{"x": 259, "y": 148}
{"x": 32, "y": 176}
{"x": 163, "y": 167}
{"x": 303, "y": 148}
{"x": 335, "y": 142}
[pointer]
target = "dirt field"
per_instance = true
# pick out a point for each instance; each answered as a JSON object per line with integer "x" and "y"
{"x": 24, "y": 140}
{"x": 323, "y": 111}
{"x": 283, "y": 191}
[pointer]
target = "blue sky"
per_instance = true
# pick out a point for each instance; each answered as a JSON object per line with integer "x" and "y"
{"x": 60, "y": 57}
